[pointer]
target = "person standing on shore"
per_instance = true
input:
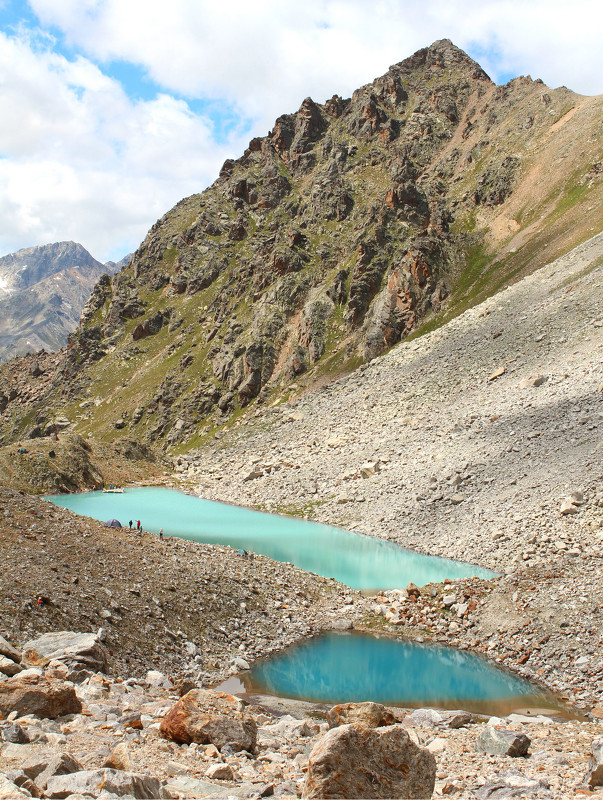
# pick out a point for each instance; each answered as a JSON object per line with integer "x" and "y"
{"x": 138, "y": 526}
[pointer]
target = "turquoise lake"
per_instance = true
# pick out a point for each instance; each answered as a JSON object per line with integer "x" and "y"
{"x": 334, "y": 668}
{"x": 361, "y": 562}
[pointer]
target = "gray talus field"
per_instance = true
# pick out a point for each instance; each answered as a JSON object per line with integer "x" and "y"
{"x": 463, "y": 443}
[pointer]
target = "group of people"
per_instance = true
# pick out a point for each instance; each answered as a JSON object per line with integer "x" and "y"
{"x": 139, "y": 528}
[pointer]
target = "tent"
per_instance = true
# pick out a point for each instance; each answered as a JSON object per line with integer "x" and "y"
{"x": 113, "y": 522}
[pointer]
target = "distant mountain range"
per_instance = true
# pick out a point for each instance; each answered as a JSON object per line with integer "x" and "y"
{"x": 42, "y": 292}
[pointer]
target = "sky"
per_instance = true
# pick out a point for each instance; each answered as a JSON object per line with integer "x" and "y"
{"x": 114, "y": 110}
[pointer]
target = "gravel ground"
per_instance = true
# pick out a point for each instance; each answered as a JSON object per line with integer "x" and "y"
{"x": 556, "y": 765}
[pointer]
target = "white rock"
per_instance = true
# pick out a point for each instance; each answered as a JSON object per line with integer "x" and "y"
{"x": 438, "y": 745}
{"x": 220, "y": 770}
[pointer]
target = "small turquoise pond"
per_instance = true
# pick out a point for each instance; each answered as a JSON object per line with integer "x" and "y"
{"x": 362, "y": 562}
{"x": 335, "y": 668}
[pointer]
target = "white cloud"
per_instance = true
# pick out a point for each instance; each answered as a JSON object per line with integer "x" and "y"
{"x": 82, "y": 161}
{"x": 272, "y": 53}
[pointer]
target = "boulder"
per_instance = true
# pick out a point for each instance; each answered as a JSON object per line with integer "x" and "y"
{"x": 355, "y": 761}
{"x": 9, "y": 651}
{"x": 368, "y": 714}
{"x": 13, "y": 733}
{"x": 8, "y": 667}
{"x": 500, "y": 741}
{"x": 456, "y": 719}
{"x": 369, "y": 469}
{"x": 286, "y": 729}
{"x": 119, "y": 758}
{"x": 209, "y": 716}
{"x": 61, "y": 765}
{"x": 24, "y": 783}
{"x": 568, "y": 508}
{"x": 77, "y": 651}
{"x": 94, "y": 782}
{"x": 594, "y": 777}
{"x": 189, "y": 787}
{"x": 426, "y": 717}
{"x": 220, "y": 770}
{"x": 37, "y": 763}
{"x": 438, "y": 745}
{"x": 514, "y": 786}
{"x": 33, "y": 695}
{"x": 8, "y": 790}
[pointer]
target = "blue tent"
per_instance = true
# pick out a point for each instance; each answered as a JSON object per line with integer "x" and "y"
{"x": 114, "y": 523}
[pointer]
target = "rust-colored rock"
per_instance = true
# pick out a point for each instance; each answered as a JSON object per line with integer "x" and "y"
{"x": 209, "y": 716}
{"x": 354, "y": 761}
{"x": 368, "y": 714}
{"x": 34, "y": 696}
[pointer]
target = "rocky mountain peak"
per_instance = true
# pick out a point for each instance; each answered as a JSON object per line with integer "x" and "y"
{"x": 27, "y": 266}
{"x": 330, "y": 239}
{"x": 439, "y": 56}
{"x": 42, "y": 291}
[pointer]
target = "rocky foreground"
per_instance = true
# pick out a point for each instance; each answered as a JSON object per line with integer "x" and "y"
{"x": 72, "y": 731}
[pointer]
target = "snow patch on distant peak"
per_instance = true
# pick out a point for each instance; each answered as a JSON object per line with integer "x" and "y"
{"x": 4, "y": 287}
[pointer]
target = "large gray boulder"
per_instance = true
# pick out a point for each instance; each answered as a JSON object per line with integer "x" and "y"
{"x": 500, "y": 741}
{"x": 355, "y": 761}
{"x": 76, "y": 650}
{"x": 94, "y": 782}
{"x": 33, "y": 695}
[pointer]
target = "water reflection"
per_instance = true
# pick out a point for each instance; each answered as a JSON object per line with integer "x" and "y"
{"x": 359, "y": 667}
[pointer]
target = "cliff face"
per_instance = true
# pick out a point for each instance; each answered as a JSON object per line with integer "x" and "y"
{"x": 328, "y": 241}
{"x": 42, "y": 292}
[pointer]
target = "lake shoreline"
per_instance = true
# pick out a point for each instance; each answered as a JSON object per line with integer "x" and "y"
{"x": 355, "y": 560}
